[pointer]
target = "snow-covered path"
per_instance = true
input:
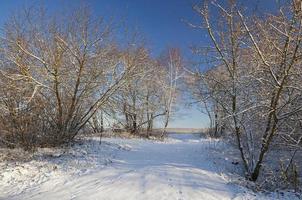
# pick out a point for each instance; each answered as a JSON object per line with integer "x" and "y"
{"x": 179, "y": 169}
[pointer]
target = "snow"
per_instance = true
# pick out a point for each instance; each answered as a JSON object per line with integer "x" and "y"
{"x": 184, "y": 166}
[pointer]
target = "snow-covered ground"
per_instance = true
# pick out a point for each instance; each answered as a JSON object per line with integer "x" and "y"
{"x": 184, "y": 166}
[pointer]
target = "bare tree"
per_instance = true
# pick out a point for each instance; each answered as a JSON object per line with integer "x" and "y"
{"x": 253, "y": 76}
{"x": 70, "y": 62}
{"x": 173, "y": 65}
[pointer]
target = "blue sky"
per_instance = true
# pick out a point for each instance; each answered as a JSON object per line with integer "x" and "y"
{"x": 160, "y": 21}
